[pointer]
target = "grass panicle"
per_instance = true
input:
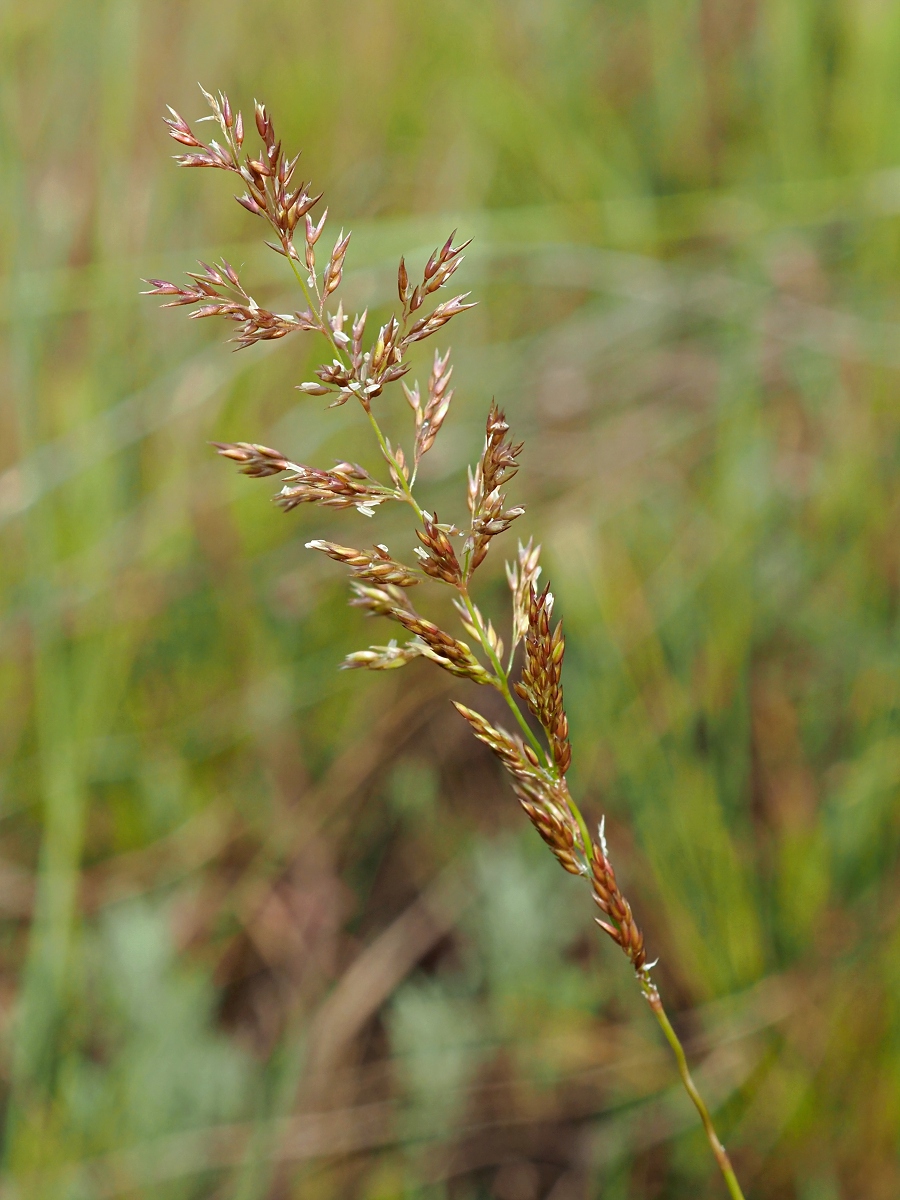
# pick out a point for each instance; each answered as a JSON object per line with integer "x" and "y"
{"x": 359, "y": 369}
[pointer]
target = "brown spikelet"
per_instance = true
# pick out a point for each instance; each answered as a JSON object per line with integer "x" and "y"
{"x": 219, "y": 293}
{"x": 437, "y": 555}
{"x": 430, "y": 418}
{"x": 522, "y": 577}
{"x": 559, "y": 833}
{"x": 542, "y": 798}
{"x": 403, "y": 282}
{"x": 498, "y": 464}
{"x": 541, "y": 684}
{"x": 256, "y": 461}
{"x": 371, "y": 566}
{"x": 621, "y": 927}
{"x": 335, "y": 269}
{"x": 424, "y": 327}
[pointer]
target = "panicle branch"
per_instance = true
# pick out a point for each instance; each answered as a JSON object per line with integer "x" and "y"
{"x": 256, "y": 461}
{"x": 267, "y": 180}
{"x": 430, "y": 418}
{"x": 219, "y": 292}
{"x": 476, "y": 625}
{"x": 346, "y": 485}
{"x": 371, "y": 566}
{"x": 383, "y": 658}
{"x": 541, "y": 683}
{"x": 436, "y": 553}
{"x": 621, "y": 926}
{"x": 498, "y": 464}
{"x": 439, "y": 268}
{"x": 522, "y": 577}
{"x": 542, "y": 797}
{"x": 271, "y": 192}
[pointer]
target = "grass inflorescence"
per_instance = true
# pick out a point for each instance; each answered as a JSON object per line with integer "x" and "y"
{"x": 363, "y": 364}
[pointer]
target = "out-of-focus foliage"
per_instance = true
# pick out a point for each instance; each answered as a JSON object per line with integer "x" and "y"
{"x": 273, "y": 931}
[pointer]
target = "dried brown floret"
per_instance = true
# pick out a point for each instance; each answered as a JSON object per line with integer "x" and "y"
{"x": 334, "y": 271}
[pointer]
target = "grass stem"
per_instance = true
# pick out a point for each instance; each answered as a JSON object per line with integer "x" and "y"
{"x": 719, "y": 1151}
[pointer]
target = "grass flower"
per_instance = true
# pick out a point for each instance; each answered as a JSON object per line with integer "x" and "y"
{"x": 361, "y": 364}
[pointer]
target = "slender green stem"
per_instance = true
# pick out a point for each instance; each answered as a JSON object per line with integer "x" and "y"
{"x": 582, "y": 824}
{"x": 719, "y": 1151}
{"x": 327, "y": 331}
{"x": 404, "y": 485}
{"x": 309, "y": 300}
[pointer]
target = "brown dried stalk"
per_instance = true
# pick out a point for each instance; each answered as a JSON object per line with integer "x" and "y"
{"x": 536, "y": 765}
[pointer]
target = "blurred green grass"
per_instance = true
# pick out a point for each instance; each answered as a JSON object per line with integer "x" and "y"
{"x": 269, "y": 930}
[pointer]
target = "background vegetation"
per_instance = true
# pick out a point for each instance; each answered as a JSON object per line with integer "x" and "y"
{"x": 272, "y": 931}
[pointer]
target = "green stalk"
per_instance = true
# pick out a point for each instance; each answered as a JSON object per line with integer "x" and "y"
{"x": 719, "y": 1151}
{"x": 309, "y": 300}
{"x": 404, "y": 485}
